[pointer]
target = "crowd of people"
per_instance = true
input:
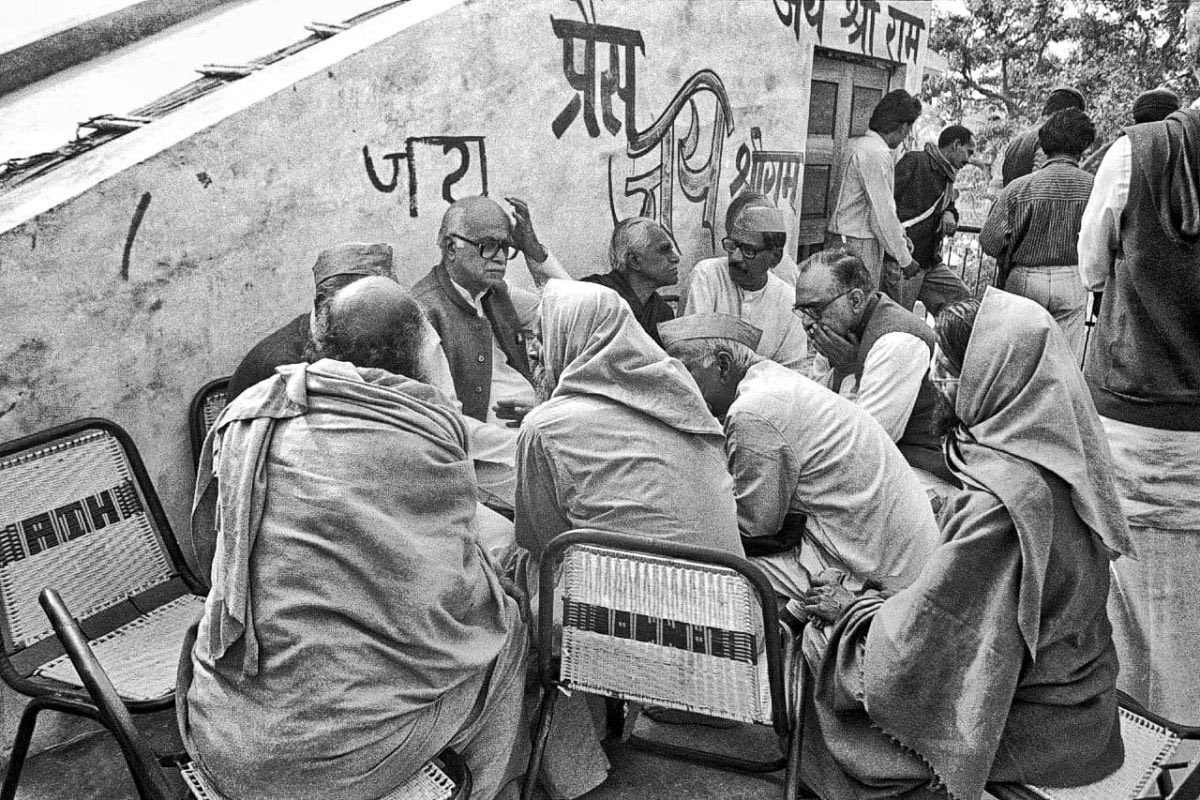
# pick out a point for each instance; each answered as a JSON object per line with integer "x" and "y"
{"x": 975, "y": 541}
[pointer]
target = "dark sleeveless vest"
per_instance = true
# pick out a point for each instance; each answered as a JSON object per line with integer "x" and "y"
{"x": 467, "y": 337}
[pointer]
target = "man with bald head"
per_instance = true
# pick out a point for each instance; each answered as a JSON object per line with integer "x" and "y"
{"x": 747, "y": 283}
{"x": 477, "y": 315}
{"x": 355, "y": 626}
{"x": 644, "y": 259}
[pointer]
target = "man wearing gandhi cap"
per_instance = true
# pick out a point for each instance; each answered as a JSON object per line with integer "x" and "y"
{"x": 818, "y": 483}
{"x": 743, "y": 284}
{"x": 336, "y": 267}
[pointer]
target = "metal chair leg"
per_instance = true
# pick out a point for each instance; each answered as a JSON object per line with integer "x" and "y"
{"x": 16, "y": 761}
{"x": 549, "y": 698}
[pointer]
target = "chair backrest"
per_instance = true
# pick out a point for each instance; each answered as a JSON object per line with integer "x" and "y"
{"x": 663, "y": 623}
{"x": 77, "y": 512}
{"x": 203, "y": 411}
{"x": 1149, "y": 740}
{"x": 153, "y": 782}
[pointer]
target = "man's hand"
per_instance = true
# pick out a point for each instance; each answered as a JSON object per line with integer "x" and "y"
{"x": 911, "y": 271}
{"x": 524, "y": 237}
{"x": 839, "y": 350}
{"x": 826, "y": 603}
{"x": 949, "y": 223}
{"x": 511, "y": 410}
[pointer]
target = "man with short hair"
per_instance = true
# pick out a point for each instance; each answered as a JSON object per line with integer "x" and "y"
{"x": 795, "y": 449}
{"x": 876, "y": 354}
{"x": 1139, "y": 243}
{"x": 480, "y": 321}
{"x": 1033, "y": 227}
{"x": 744, "y": 284}
{"x": 925, "y": 204}
{"x": 1024, "y": 153}
{"x": 644, "y": 259}
{"x": 997, "y": 664}
{"x": 355, "y": 627}
{"x": 864, "y": 217}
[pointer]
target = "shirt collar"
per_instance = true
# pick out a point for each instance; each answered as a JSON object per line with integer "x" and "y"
{"x": 476, "y": 301}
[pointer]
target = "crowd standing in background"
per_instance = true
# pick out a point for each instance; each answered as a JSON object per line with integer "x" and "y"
{"x": 967, "y": 531}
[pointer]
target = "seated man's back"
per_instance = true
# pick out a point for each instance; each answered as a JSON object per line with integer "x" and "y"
{"x": 354, "y": 625}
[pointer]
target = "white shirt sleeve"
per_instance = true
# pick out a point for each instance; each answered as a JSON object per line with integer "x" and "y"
{"x": 701, "y": 295}
{"x": 879, "y": 184}
{"x": 1100, "y": 228}
{"x": 891, "y": 379}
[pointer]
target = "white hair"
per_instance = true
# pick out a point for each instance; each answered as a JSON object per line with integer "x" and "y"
{"x": 703, "y": 352}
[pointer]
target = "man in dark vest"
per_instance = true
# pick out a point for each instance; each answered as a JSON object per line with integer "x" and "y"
{"x": 644, "y": 259}
{"x": 876, "y": 353}
{"x": 925, "y": 206}
{"x": 480, "y": 318}
{"x": 1139, "y": 243}
{"x": 1024, "y": 153}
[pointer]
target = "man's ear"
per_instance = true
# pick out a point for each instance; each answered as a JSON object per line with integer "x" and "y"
{"x": 724, "y": 364}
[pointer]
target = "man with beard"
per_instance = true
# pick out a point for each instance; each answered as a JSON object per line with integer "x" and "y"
{"x": 797, "y": 450}
{"x": 997, "y": 664}
{"x": 355, "y": 627}
{"x": 745, "y": 283}
{"x": 622, "y": 443}
{"x": 644, "y": 259}
{"x": 925, "y": 205}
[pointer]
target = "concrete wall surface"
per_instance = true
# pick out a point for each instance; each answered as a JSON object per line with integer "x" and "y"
{"x": 123, "y": 289}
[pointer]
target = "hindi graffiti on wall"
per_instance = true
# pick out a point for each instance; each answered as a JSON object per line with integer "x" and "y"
{"x": 619, "y": 79}
{"x": 774, "y": 173}
{"x": 858, "y": 23}
{"x": 453, "y": 146}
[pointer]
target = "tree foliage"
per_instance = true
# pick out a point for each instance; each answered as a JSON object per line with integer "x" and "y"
{"x": 1006, "y": 55}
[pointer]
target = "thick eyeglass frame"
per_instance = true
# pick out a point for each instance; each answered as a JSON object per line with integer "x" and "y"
{"x": 748, "y": 252}
{"x": 814, "y": 312}
{"x": 489, "y": 248}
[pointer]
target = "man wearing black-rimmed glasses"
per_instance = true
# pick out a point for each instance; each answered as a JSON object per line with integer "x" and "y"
{"x": 750, "y": 284}
{"x": 874, "y": 353}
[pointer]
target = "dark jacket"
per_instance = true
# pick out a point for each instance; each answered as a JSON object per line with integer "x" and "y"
{"x": 919, "y": 185}
{"x": 284, "y": 346}
{"x": 1143, "y": 359}
{"x": 1020, "y": 154}
{"x": 467, "y": 337}
{"x": 648, "y": 314}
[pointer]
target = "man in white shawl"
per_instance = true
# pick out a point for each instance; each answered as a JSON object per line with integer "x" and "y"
{"x": 622, "y": 443}
{"x": 355, "y": 627}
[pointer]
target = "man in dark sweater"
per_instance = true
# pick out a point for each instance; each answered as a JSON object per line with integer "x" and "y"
{"x": 1139, "y": 243}
{"x": 1024, "y": 153}
{"x": 335, "y": 268}
{"x": 644, "y": 259}
{"x": 876, "y": 353}
{"x": 925, "y": 206}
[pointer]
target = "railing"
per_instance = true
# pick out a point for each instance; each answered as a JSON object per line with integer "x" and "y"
{"x": 962, "y": 253}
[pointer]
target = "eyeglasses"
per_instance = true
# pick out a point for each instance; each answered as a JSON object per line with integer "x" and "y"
{"x": 814, "y": 310}
{"x": 490, "y": 248}
{"x": 731, "y": 246}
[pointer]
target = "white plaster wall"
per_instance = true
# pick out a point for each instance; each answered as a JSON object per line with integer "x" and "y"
{"x": 238, "y": 211}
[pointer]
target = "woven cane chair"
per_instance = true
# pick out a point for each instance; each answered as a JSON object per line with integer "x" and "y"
{"x": 444, "y": 778}
{"x": 1150, "y": 741}
{"x": 203, "y": 411}
{"x": 671, "y": 625}
{"x": 78, "y": 512}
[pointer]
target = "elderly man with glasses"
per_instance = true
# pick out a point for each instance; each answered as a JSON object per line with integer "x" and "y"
{"x": 754, "y": 282}
{"x": 480, "y": 320}
{"x": 874, "y": 353}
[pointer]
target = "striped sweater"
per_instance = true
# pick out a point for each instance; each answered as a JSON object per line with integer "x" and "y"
{"x": 1037, "y": 216}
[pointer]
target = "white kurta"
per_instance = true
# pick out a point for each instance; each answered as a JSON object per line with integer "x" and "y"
{"x": 794, "y": 446}
{"x": 710, "y": 289}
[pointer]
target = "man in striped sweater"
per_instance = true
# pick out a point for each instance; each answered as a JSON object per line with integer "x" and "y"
{"x": 1033, "y": 226}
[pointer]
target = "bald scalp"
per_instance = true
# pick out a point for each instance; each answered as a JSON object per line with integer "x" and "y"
{"x": 372, "y": 323}
{"x": 469, "y": 212}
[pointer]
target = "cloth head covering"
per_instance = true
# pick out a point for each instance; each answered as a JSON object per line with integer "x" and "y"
{"x": 941, "y": 163}
{"x": 709, "y": 326}
{"x": 1154, "y": 105}
{"x": 1023, "y": 405}
{"x": 353, "y": 258}
{"x": 758, "y": 219}
{"x": 592, "y": 345}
